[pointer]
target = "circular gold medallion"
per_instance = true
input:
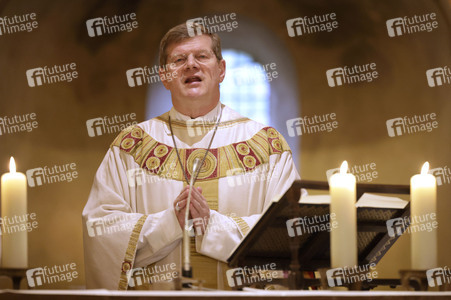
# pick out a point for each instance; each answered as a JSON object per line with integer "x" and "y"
{"x": 207, "y": 168}
{"x": 249, "y": 161}
{"x": 161, "y": 151}
{"x": 277, "y": 145}
{"x": 127, "y": 143}
{"x": 126, "y": 266}
{"x": 272, "y": 133}
{"x": 137, "y": 133}
{"x": 242, "y": 149}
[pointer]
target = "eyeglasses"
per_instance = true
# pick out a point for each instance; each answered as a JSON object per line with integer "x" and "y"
{"x": 201, "y": 57}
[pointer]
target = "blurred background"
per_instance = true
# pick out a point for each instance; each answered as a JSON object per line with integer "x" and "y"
{"x": 261, "y": 37}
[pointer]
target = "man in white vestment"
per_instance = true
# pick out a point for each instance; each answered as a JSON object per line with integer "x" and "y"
{"x": 135, "y": 212}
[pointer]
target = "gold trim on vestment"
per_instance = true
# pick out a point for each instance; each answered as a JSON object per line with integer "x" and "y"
{"x": 210, "y": 191}
{"x": 161, "y": 160}
{"x": 130, "y": 253}
{"x": 204, "y": 125}
{"x": 242, "y": 225}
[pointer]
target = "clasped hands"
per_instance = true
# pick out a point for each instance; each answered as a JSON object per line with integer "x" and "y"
{"x": 198, "y": 206}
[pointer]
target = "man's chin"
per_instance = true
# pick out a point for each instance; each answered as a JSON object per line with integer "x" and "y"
{"x": 194, "y": 93}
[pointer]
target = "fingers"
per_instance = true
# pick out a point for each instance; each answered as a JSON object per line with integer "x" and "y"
{"x": 195, "y": 213}
{"x": 198, "y": 203}
{"x": 180, "y": 201}
{"x": 198, "y": 192}
{"x": 199, "y": 206}
{"x": 194, "y": 192}
{"x": 180, "y": 205}
{"x": 198, "y": 197}
{"x": 180, "y": 217}
{"x": 183, "y": 194}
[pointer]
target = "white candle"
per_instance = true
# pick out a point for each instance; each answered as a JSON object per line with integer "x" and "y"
{"x": 423, "y": 207}
{"x": 343, "y": 238}
{"x": 14, "y": 209}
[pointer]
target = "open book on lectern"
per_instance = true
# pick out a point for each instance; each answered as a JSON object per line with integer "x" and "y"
{"x": 305, "y": 223}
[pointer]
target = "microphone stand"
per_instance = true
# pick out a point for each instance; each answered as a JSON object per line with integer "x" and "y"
{"x": 187, "y": 270}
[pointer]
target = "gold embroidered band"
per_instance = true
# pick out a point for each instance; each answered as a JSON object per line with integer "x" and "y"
{"x": 242, "y": 225}
{"x": 129, "y": 258}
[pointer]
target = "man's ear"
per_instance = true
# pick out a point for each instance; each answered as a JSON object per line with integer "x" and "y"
{"x": 163, "y": 77}
{"x": 222, "y": 68}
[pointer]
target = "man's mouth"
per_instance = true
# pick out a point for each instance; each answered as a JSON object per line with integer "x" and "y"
{"x": 192, "y": 79}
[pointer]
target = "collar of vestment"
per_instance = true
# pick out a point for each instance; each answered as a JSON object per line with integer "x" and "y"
{"x": 235, "y": 158}
{"x": 211, "y": 116}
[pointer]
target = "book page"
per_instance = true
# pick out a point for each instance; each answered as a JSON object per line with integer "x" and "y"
{"x": 371, "y": 200}
{"x": 367, "y": 200}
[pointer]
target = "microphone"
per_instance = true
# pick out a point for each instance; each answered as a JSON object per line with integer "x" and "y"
{"x": 187, "y": 271}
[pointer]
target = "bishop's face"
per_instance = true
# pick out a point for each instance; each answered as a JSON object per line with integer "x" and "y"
{"x": 196, "y": 70}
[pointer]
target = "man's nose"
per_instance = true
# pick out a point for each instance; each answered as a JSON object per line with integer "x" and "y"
{"x": 191, "y": 62}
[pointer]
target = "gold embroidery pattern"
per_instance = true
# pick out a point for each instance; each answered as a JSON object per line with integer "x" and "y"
{"x": 161, "y": 150}
{"x": 276, "y": 145}
{"x": 129, "y": 258}
{"x": 243, "y": 149}
{"x": 201, "y": 126}
{"x": 247, "y": 156}
{"x": 148, "y": 153}
{"x": 249, "y": 161}
{"x": 137, "y": 133}
{"x": 156, "y": 158}
{"x": 152, "y": 163}
{"x": 272, "y": 133}
{"x": 243, "y": 226}
{"x": 127, "y": 143}
{"x": 160, "y": 159}
{"x": 208, "y": 168}
{"x": 130, "y": 139}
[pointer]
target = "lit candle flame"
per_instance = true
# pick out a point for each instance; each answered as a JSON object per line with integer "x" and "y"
{"x": 425, "y": 168}
{"x": 344, "y": 167}
{"x": 12, "y": 165}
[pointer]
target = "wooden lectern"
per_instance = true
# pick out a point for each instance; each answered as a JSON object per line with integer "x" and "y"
{"x": 269, "y": 242}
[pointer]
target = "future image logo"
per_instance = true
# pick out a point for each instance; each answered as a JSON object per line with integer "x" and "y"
{"x": 420, "y": 223}
{"x": 214, "y": 24}
{"x": 238, "y": 177}
{"x": 139, "y": 176}
{"x": 396, "y": 226}
{"x": 109, "y": 25}
{"x": 49, "y": 275}
{"x": 410, "y": 125}
{"x": 48, "y": 75}
{"x": 312, "y": 124}
{"x": 148, "y": 75}
{"x": 47, "y": 175}
{"x": 18, "y": 123}
{"x": 349, "y": 75}
{"x": 313, "y": 224}
{"x": 349, "y": 275}
{"x": 152, "y": 274}
{"x": 438, "y": 76}
{"x": 108, "y": 125}
{"x": 442, "y": 175}
{"x": 438, "y": 276}
{"x": 111, "y": 224}
{"x": 408, "y": 25}
{"x": 239, "y": 277}
{"x": 18, "y": 23}
{"x": 308, "y": 25}
{"x": 363, "y": 173}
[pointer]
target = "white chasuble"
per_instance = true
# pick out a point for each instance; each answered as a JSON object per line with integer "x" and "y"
{"x": 130, "y": 220}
